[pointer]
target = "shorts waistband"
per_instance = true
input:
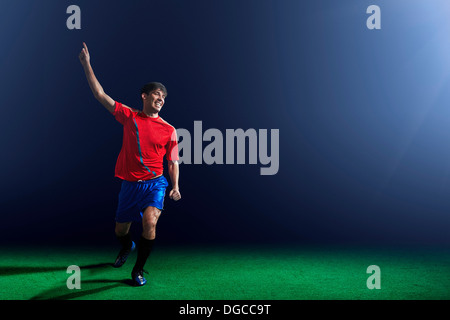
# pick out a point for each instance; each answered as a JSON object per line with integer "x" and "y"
{"x": 149, "y": 181}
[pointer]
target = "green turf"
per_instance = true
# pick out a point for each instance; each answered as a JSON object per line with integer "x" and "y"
{"x": 228, "y": 273}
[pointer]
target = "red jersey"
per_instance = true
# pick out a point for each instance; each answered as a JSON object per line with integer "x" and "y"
{"x": 145, "y": 142}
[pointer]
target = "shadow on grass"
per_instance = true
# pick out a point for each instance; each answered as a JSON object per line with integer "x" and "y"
{"x": 88, "y": 287}
{"x": 15, "y": 270}
{"x": 93, "y": 287}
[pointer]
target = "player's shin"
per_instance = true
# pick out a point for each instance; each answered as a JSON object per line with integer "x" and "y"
{"x": 144, "y": 248}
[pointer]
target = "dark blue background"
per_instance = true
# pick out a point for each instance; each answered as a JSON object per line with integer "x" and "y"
{"x": 363, "y": 116}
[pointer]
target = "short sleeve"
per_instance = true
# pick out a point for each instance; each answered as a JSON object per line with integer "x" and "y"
{"x": 172, "y": 147}
{"x": 121, "y": 113}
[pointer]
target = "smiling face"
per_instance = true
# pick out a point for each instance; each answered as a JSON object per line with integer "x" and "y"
{"x": 153, "y": 101}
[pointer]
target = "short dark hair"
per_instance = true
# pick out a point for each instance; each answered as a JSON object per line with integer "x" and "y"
{"x": 149, "y": 87}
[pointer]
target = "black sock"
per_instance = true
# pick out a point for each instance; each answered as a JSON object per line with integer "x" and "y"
{"x": 144, "y": 249}
{"x": 125, "y": 241}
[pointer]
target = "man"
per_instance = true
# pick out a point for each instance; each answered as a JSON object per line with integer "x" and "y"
{"x": 146, "y": 139}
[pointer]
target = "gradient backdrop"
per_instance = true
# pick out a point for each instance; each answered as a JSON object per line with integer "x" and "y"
{"x": 364, "y": 118}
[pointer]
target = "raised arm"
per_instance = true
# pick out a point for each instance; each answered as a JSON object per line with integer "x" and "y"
{"x": 95, "y": 86}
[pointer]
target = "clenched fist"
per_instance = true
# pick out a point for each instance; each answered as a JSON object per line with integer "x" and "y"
{"x": 175, "y": 194}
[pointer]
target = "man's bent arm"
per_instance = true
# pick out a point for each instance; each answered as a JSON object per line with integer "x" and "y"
{"x": 173, "y": 169}
{"x": 173, "y": 173}
{"x": 95, "y": 86}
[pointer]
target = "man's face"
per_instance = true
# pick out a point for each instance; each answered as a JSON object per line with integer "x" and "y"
{"x": 154, "y": 100}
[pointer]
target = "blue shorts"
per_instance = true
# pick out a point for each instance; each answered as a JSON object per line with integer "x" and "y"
{"x": 135, "y": 197}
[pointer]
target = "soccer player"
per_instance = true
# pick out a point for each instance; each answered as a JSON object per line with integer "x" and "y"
{"x": 147, "y": 138}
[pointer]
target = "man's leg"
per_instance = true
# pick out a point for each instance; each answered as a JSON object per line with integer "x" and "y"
{"x": 149, "y": 220}
{"x": 122, "y": 228}
{"x": 123, "y": 235}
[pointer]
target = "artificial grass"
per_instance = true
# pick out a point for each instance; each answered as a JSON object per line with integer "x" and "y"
{"x": 228, "y": 273}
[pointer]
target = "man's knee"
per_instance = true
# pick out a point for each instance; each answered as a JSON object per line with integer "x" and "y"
{"x": 150, "y": 218}
{"x": 122, "y": 229}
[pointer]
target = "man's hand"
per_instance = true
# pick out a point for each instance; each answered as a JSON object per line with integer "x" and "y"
{"x": 84, "y": 55}
{"x": 95, "y": 86}
{"x": 175, "y": 194}
{"x": 173, "y": 170}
